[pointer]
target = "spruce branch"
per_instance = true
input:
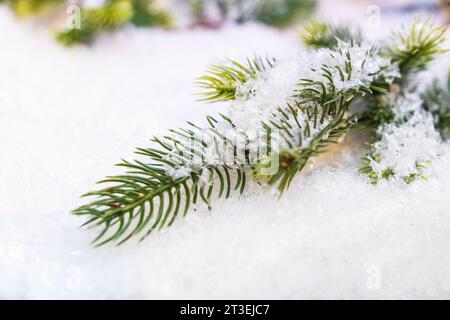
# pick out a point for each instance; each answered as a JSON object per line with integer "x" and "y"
{"x": 412, "y": 50}
{"x": 407, "y": 140}
{"x": 221, "y": 82}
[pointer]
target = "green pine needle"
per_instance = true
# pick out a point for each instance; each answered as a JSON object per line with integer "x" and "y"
{"x": 149, "y": 197}
{"x": 325, "y": 93}
{"x": 221, "y": 82}
{"x": 413, "y": 50}
{"x": 388, "y": 173}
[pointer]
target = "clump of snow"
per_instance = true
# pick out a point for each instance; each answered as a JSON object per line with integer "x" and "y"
{"x": 67, "y": 115}
{"x": 409, "y": 143}
{"x": 179, "y": 172}
{"x": 271, "y": 89}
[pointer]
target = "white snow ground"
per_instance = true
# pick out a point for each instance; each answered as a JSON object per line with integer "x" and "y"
{"x": 67, "y": 115}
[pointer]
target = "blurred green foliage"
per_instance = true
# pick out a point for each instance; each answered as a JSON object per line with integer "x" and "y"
{"x": 113, "y": 15}
{"x": 318, "y": 34}
{"x": 109, "y": 17}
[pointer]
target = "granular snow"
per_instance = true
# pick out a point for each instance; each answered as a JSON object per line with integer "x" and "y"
{"x": 67, "y": 115}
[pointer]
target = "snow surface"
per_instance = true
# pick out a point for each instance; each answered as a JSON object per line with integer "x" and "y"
{"x": 67, "y": 115}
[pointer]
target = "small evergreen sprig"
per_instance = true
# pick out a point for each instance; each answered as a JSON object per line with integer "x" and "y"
{"x": 221, "y": 82}
{"x": 278, "y": 13}
{"x": 167, "y": 182}
{"x": 113, "y": 15}
{"x": 388, "y": 173}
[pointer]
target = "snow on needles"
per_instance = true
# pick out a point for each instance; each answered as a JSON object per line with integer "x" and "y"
{"x": 350, "y": 66}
